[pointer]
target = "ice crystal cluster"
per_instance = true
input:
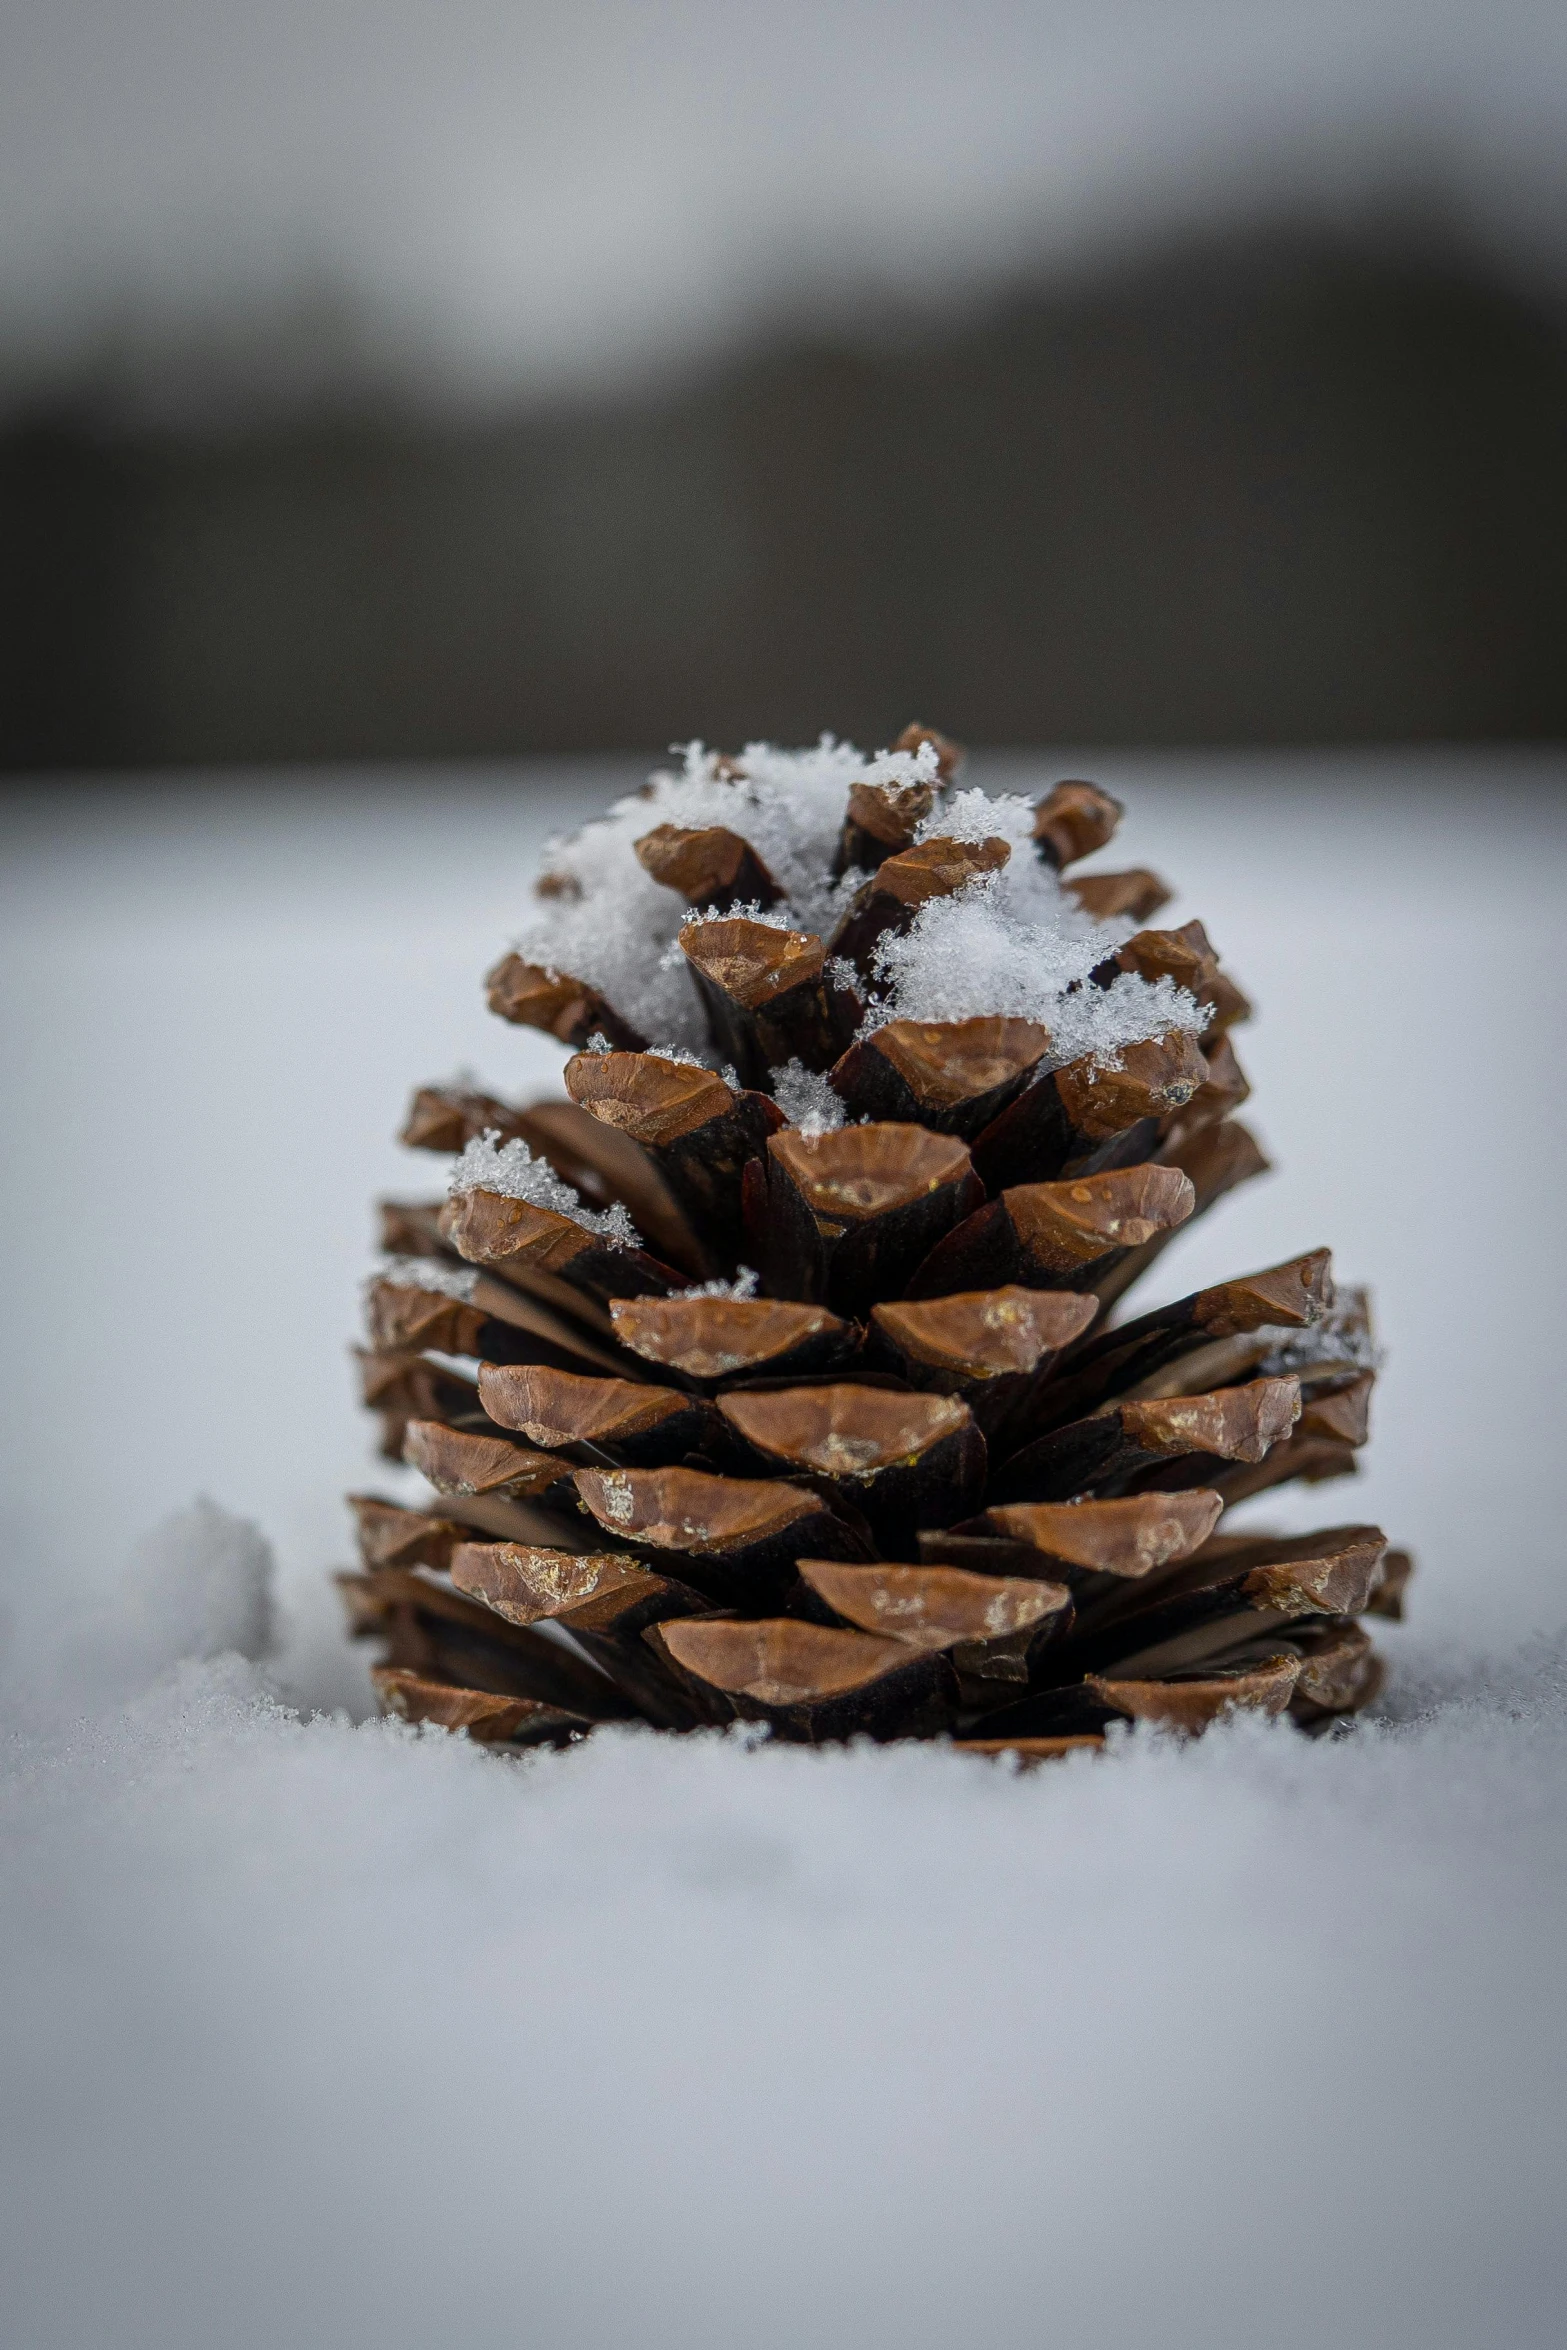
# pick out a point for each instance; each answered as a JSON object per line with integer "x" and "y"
{"x": 1014, "y": 944}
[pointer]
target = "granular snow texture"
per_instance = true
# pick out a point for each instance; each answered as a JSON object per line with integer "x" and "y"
{"x": 327, "y": 2034}
{"x": 322, "y": 2035}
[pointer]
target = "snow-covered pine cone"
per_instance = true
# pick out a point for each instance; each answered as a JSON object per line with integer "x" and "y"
{"x": 773, "y": 1368}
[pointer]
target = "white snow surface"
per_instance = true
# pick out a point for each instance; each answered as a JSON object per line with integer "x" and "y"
{"x": 328, "y": 2034}
{"x": 333, "y": 2035}
{"x": 984, "y": 951}
{"x": 1011, "y": 944}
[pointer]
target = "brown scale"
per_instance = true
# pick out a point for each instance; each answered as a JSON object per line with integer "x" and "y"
{"x": 1169, "y": 1443}
{"x": 606, "y": 1601}
{"x": 904, "y": 1460}
{"x": 737, "y": 1538}
{"x": 714, "y": 867}
{"x": 1058, "y": 1235}
{"x": 1108, "y": 896}
{"x": 1082, "y": 1118}
{"x": 599, "y": 1163}
{"x": 844, "y": 1219}
{"x": 992, "y": 1347}
{"x": 622, "y": 1420}
{"x": 551, "y": 1255}
{"x": 768, "y": 996}
{"x": 1072, "y": 821}
{"x": 880, "y": 822}
{"x": 565, "y": 1008}
{"x": 714, "y": 1340}
{"x": 951, "y": 1076}
{"x": 699, "y": 1133}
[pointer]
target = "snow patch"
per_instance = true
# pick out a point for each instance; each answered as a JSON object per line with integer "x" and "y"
{"x": 1019, "y": 951}
{"x": 617, "y": 933}
{"x": 1343, "y": 1335}
{"x": 1015, "y": 944}
{"x": 454, "y": 1281}
{"x": 510, "y": 1168}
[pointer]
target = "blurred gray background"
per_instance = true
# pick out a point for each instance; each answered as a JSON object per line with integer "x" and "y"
{"x": 396, "y": 380}
{"x": 488, "y": 394}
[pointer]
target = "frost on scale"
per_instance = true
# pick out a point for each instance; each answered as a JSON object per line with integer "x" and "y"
{"x": 741, "y": 1289}
{"x": 443, "y": 1280}
{"x": 848, "y": 1443}
{"x": 1344, "y": 1335}
{"x": 510, "y": 1168}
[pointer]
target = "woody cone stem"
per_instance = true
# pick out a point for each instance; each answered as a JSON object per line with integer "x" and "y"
{"x": 825, "y": 1423}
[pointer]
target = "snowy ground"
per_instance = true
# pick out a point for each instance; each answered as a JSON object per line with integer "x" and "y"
{"x": 323, "y": 2033}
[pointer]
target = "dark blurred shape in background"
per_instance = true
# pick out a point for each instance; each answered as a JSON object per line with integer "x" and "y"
{"x": 1269, "y": 468}
{"x": 1280, "y": 490}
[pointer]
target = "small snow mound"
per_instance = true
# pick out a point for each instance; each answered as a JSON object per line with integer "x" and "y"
{"x": 200, "y": 1586}
{"x": 987, "y": 951}
{"x": 975, "y": 816}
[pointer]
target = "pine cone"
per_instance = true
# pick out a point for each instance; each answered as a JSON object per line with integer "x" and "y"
{"x": 773, "y": 1367}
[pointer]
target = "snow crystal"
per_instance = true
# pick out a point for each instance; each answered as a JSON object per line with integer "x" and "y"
{"x": 455, "y": 1281}
{"x": 513, "y": 1171}
{"x": 681, "y": 1055}
{"x": 744, "y": 1286}
{"x": 806, "y": 1099}
{"x": 977, "y": 815}
{"x": 1104, "y": 1020}
{"x": 1342, "y": 1336}
{"x": 985, "y": 951}
{"x": 774, "y": 917}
